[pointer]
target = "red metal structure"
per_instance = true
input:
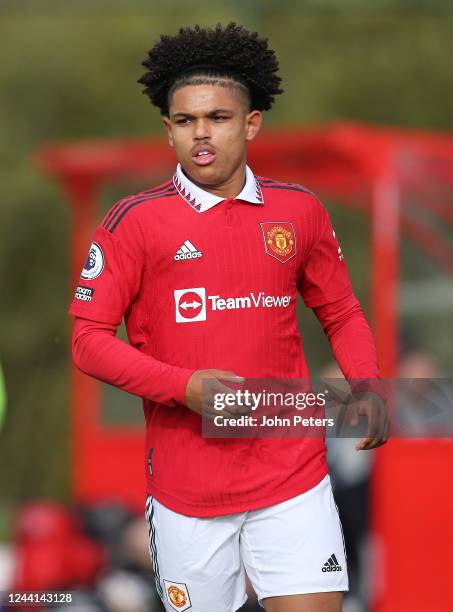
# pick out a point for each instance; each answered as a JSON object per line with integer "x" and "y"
{"x": 358, "y": 166}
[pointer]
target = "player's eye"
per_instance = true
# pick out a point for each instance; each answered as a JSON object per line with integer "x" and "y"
{"x": 182, "y": 121}
{"x": 220, "y": 117}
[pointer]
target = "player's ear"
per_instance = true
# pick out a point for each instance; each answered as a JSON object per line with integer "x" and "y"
{"x": 253, "y": 123}
{"x": 167, "y": 126}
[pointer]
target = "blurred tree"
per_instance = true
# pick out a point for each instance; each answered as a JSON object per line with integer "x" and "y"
{"x": 2, "y": 397}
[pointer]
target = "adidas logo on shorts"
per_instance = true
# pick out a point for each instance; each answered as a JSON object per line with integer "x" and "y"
{"x": 332, "y": 565}
{"x": 187, "y": 251}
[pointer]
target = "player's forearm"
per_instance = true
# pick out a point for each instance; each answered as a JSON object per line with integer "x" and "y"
{"x": 350, "y": 337}
{"x": 98, "y": 352}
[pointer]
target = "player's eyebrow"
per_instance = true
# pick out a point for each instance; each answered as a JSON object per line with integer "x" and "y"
{"x": 211, "y": 113}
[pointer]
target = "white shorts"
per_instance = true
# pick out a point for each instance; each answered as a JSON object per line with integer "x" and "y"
{"x": 290, "y": 548}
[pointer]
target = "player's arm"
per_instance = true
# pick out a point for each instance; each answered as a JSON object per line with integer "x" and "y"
{"x": 354, "y": 350}
{"x": 98, "y": 352}
{"x": 325, "y": 287}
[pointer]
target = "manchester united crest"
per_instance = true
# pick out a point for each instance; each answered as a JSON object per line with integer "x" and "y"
{"x": 177, "y": 595}
{"x": 279, "y": 239}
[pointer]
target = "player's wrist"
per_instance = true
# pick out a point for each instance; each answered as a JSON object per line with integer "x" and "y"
{"x": 365, "y": 386}
{"x": 185, "y": 374}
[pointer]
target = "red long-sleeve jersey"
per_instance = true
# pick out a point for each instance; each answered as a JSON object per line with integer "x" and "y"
{"x": 202, "y": 283}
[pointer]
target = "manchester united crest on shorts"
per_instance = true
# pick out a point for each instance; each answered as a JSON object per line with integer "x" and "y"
{"x": 279, "y": 239}
{"x": 177, "y": 595}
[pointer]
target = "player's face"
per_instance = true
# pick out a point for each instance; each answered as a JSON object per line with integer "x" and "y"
{"x": 208, "y": 127}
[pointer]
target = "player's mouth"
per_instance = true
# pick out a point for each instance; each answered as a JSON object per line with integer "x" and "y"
{"x": 203, "y": 155}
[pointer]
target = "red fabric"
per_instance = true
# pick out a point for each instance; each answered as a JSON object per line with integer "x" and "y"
{"x": 350, "y": 337}
{"x": 98, "y": 352}
{"x": 236, "y": 310}
{"x": 352, "y": 344}
{"x": 52, "y": 550}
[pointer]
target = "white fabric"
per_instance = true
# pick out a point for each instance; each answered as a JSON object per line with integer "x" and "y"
{"x": 8, "y": 563}
{"x": 202, "y": 200}
{"x": 283, "y": 548}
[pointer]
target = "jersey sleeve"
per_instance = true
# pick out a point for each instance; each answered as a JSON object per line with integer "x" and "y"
{"x": 111, "y": 275}
{"x": 99, "y": 353}
{"x": 323, "y": 277}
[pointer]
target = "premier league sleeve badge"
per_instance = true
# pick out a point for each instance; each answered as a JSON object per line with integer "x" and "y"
{"x": 94, "y": 263}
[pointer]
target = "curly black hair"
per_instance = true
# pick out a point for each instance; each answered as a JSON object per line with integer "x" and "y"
{"x": 228, "y": 56}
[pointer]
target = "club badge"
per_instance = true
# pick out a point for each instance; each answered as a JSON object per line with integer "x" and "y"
{"x": 177, "y": 595}
{"x": 279, "y": 239}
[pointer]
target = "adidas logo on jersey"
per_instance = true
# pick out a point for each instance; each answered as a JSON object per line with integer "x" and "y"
{"x": 187, "y": 251}
{"x": 332, "y": 565}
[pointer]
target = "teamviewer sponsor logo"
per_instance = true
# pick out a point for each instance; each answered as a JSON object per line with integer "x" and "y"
{"x": 187, "y": 251}
{"x": 190, "y": 305}
{"x": 253, "y": 300}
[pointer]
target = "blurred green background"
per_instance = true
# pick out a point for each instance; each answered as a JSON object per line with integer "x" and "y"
{"x": 69, "y": 71}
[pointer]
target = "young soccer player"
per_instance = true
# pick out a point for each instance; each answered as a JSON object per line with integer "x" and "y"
{"x": 205, "y": 269}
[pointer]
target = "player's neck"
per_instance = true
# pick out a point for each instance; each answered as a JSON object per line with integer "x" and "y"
{"x": 230, "y": 188}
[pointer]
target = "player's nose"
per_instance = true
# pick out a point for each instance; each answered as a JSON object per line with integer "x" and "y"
{"x": 201, "y": 129}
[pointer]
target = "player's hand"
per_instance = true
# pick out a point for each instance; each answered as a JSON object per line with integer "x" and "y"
{"x": 372, "y": 406}
{"x": 200, "y": 396}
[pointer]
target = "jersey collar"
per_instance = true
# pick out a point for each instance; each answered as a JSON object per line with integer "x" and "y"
{"x": 202, "y": 200}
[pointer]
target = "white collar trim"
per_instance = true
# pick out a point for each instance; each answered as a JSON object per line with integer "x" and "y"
{"x": 202, "y": 200}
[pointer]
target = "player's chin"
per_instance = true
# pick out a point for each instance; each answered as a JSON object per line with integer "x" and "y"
{"x": 210, "y": 174}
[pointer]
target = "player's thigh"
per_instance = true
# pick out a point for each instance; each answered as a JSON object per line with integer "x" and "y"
{"x": 196, "y": 561}
{"x": 296, "y": 547}
{"x": 310, "y": 602}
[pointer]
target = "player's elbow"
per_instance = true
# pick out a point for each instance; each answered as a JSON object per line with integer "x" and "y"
{"x": 77, "y": 349}
{"x": 90, "y": 344}
{"x": 86, "y": 337}
{"x": 337, "y": 315}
